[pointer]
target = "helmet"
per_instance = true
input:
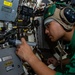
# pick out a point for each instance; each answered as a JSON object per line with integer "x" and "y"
{"x": 65, "y": 16}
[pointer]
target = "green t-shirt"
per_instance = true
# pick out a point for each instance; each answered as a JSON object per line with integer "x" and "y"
{"x": 70, "y": 68}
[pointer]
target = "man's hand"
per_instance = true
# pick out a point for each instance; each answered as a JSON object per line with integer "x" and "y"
{"x": 53, "y": 61}
{"x": 24, "y": 51}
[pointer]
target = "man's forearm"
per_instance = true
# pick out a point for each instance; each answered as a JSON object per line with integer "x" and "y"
{"x": 39, "y": 67}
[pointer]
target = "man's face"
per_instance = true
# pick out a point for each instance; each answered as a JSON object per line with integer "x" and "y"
{"x": 54, "y": 30}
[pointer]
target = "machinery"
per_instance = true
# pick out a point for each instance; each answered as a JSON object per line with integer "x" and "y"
{"x": 10, "y": 64}
{"x": 23, "y": 18}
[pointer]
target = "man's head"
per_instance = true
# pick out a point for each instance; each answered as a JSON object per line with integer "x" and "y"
{"x": 63, "y": 19}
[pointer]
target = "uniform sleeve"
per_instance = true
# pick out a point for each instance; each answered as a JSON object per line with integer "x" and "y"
{"x": 70, "y": 68}
{"x": 59, "y": 73}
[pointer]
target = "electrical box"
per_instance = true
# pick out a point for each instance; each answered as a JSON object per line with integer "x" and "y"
{"x": 8, "y": 10}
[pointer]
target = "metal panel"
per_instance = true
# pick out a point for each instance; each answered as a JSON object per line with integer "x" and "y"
{"x": 41, "y": 40}
{"x": 10, "y": 64}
